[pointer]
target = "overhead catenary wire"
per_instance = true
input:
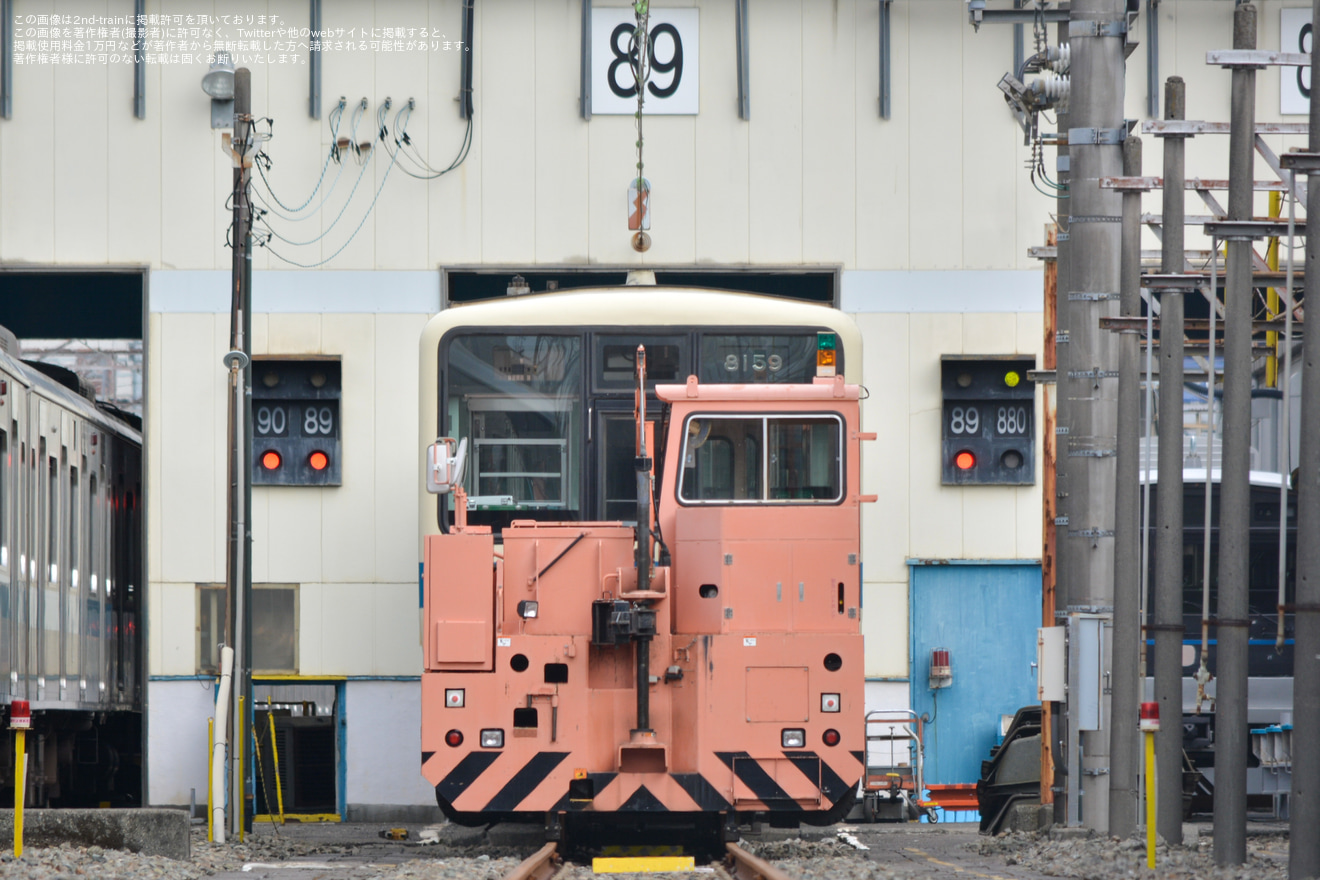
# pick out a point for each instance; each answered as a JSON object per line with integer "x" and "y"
{"x": 361, "y": 173}
{"x": 403, "y": 142}
{"x": 401, "y": 147}
{"x": 385, "y": 177}
{"x": 334, "y": 118}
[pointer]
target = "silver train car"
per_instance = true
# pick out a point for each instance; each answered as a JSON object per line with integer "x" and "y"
{"x": 70, "y": 587}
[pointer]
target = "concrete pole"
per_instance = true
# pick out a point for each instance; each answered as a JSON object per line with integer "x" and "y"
{"x": 1167, "y": 622}
{"x": 1055, "y": 722}
{"x": 1095, "y": 131}
{"x": 1124, "y": 745}
{"x": 239, "y": 531}
{"x": 1230, "y": 825}
{"x": 1304, "y": 801}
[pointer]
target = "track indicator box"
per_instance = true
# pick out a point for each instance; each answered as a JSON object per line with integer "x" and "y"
{"x": 989, "y": 425}
{"x": 295, "y": 421}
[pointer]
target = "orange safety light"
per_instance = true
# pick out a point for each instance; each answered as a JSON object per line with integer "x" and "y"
{"x": 318, "y": 460}
{"x": 270, "y": 460}
{"x": 965, "y": 460}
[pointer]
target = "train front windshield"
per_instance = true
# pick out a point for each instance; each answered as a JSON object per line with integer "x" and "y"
{"x": 518, "y": 400}
{"x": 549, "y": 413}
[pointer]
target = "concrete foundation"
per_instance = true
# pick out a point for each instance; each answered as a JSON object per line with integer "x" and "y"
{"x": 1029, "y": 817}
{"x": 402, "y": 814}
{"x": 150, "y": 832}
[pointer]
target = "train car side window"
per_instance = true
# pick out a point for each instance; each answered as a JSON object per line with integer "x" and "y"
{"x": 762, "y": 459}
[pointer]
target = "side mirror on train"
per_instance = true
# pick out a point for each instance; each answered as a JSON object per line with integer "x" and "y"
{"x": 445, "y": 460}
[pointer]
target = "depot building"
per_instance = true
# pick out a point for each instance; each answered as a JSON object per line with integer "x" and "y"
{"x": 854, "y": 154}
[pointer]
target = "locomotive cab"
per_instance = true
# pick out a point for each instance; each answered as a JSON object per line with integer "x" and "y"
{"x": 700, "y": 667}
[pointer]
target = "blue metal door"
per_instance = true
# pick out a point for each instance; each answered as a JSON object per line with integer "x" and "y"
{"x": 986, "y": 615}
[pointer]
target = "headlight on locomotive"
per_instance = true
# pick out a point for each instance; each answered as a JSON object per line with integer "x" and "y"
{"x": 793, "y": 738}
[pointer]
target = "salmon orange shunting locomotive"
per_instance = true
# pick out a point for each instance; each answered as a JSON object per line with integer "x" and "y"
{"x": 698, "y": 660}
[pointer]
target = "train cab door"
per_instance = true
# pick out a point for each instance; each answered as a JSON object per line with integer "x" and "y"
{"x": 614, "y": 436}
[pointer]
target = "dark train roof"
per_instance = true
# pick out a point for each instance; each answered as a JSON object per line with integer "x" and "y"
{"x": 66, "y": 386}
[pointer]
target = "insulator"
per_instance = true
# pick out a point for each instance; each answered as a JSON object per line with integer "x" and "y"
{"x": 1059, "y": 58}
{"x": 1052, "y": 88}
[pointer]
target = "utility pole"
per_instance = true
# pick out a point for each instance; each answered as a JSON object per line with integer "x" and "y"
{"x": 1123, "y": 743}
{"x": 1304, "y": 801}
{"x": 1095, "y": 134}
{"x": 1054, "y": 724}
{"x": 1167, "y": 620}
{"x": 1230, "y": 821}
{"x": 238, "y": 580}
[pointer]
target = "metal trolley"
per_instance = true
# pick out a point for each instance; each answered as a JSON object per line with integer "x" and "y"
{"x": 894, "y": 782}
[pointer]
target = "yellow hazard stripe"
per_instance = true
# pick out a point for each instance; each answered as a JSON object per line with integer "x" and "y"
{"x": 642, "y": 865}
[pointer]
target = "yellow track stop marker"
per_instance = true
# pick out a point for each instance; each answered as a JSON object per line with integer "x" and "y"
{"x": 642, "y": 864}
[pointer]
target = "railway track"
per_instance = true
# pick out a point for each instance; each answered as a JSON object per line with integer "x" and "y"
{"x": 738, "y": 864}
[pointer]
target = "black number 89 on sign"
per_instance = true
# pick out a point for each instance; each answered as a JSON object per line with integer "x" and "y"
{"x": 625, "y": 60}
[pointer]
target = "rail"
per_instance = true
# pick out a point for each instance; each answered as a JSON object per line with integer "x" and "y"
{"x": 544, "y": 864}
{"x": 742, "y": 865}
{"x": 738, "y": 864}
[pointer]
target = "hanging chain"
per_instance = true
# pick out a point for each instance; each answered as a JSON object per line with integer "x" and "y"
{"x": 641, "y": 68}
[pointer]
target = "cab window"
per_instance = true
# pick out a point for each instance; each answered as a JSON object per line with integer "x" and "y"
{"x": 757, "y": 459}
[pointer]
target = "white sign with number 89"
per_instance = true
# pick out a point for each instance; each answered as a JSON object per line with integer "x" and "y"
{"x": 672, "y": 87}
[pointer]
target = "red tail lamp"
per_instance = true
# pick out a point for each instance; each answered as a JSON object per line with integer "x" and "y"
{"x": 454, "y": 738}
{"x": 965, "y": 460}
{"x": 318, "y": 460}
{"x": 830, "y": 737}
{"x": 270, "y": 460}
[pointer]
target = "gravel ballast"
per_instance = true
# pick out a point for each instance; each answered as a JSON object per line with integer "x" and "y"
{"x": 894, "y": 853}
{"x": 1104, "y": 858}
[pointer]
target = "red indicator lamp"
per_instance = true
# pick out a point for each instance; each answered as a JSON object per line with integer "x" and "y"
{"x": 270, "y": 460}
{"x": 318, "y": 460}
{"x": 1150, "y": 716}
{"x": 20, "y": 715}
{"x": 454, "y": 739}
{"x": 965, "y": 460}
{"x": 831, "y": 737}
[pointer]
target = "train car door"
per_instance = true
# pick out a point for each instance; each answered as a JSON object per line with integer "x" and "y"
{"x": 613, "y": 481}
{"x": 986, "y": 615}
{"x": 8, "y": 600}
{"x": 31, "y": 602}
{"x": 614, "y": 435}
